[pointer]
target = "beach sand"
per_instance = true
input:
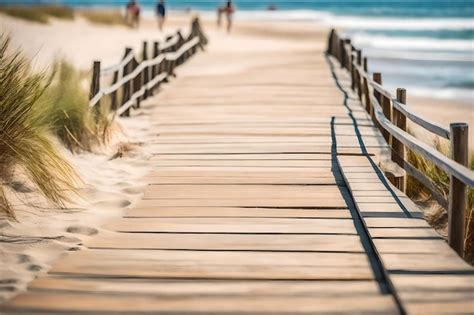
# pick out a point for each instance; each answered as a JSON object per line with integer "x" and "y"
{"x": 43, "y": 234}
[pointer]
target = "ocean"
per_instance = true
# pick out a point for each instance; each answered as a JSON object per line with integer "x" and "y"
{"x": 424, "y": 46}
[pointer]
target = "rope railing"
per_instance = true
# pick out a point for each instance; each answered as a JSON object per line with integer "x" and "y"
{"x": 137, "y": 80}
{"x": 117, "y": 67}
{"x": 390, "y": 113}
{"x": 111, "y": 69}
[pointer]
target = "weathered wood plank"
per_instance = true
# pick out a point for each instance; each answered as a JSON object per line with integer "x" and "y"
{"x": 168, "y": 264}
{"x": 36, "y": 301}
{"x": 223, "y": 180}
{"x": 239, "y": 191}
{"x": 400, "y": 233}
{"x": 321, "y": 202}
{"x": 318, "y": 243}
{"x": 160, "y": 212}
{"x": 241, "y": 173}
{"x": 232, "y": 225}
{"x": 210, "y": 287}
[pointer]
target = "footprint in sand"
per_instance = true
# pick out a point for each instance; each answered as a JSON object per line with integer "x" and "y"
{"x": 134, "y": 190}
{"x": 8, "y": 281}
{"x": 112, "y": 204}
{"x": 7, "y": 289}
{"x": 35, "y": 268}
{"x": 23, "y": 258}
{"x": 82, "y": 230}
{"x": 67, "y": 239}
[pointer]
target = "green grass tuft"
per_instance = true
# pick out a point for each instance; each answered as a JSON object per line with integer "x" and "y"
{"x": 68, "y": 110}
{"x": 437, "y": 175}
{"x": 76, "y": 125}
{"x": 39, "y": 14}
{"x": 24, "y": 140}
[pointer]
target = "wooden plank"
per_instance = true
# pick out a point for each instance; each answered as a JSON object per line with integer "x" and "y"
{"x": 396, "y": 223}
{"x": 322, "y": 202}
{"x": 245, "y": 163}
{"x": 371, "y": 193}
{"x": 210, "y": 287}
{"x": 404, "y": 233}
{"x": 166, "y": 257}
{"x": 238, "y": 173}
{"x": 434, "y": 283}
{"x": 228, "y": 242}
{"x": 439, "y": 263}
{"x": 161, "y": 212}
{"x": 36, "y": 301}
{"x": 232, "y": 225}
{"x": 239, "y": 191}
{"x": 411, "y": 246}
{"x": 240, "y": 157}
{"x": 258, "y": 148}
{"x": 222, "y": 180}
{"x": 216, "y": 265}
{"x": 389, "y": 206}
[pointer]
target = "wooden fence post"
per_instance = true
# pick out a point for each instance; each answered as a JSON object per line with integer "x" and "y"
{"x": 330, "y": 47}
{"x": 113, "y": 96}
{"x": 352, "y": 69}
{"x": 457, "y": 189}
{"x": 377, "y": 78}
{"x": 387, "y": 111}
{"x": 95, "y": 83}
{"x": 368, "y": 106}
{"x": 126, "y": 87}
{"x": 385, "y": 104}
{"x": 359, "y": 84}
{"x": 180, "y": 44}
{"x": 347, "y": 55}
{"x": 338, "y": 49}
{"x": 146, "y": 70}
{"x": 154, "y": 68}
{"x": 398, "y": 148}
{"x": 343, "y": 53}
{"x": 137, "y": 82}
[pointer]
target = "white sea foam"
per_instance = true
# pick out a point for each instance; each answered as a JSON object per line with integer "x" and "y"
{"x": 420, "y": 55}
{"x": 412, "y": 43}
{"x": 385, "y": 23}
{"x": 466, "y": 95}
{"x": 287, "y": 15}
{"x": 355, "y": 22}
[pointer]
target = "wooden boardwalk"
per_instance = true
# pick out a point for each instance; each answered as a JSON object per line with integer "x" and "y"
{"x": 265, "y": 198}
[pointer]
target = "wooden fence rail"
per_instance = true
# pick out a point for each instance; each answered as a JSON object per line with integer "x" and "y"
{"x": 136, "y": 80}
{"x": 390, "y": 114}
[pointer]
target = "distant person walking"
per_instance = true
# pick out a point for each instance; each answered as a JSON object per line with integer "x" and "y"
{"x": 161, "y": 13}
{"x": 132, "y": 14}
{"x": 228, "y": 10}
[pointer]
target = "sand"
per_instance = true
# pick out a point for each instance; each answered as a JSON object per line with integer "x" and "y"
{"x": 444, "y": 112}
{"x": 30, "y": 246}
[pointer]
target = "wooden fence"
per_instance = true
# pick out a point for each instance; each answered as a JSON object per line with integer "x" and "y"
{"x": 390, "y": 114}
{"x": 135, "y": 80}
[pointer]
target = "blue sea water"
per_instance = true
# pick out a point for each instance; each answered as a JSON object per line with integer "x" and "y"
{"x": 426, "y": 46}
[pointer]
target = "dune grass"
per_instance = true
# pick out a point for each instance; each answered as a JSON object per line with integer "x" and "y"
{"x": 105, "y": 17}
{"x": 25, "y": 144}
{"x": 69, "y": 115}
{"x": 438, "y": 217}
{"x": 43, "y": 13}
{"x": 39, "y": 14}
